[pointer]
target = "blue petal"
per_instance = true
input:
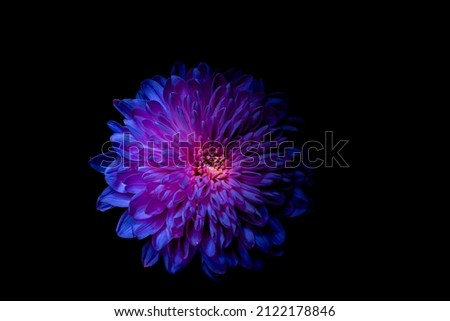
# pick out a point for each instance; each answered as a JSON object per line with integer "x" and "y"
{"x": 289, "y": 128}
{"x": 270, "y": 178}
{"x": 115, "y": 127}
{"x": 257, "y": 264}
{"x": 160, "y": 80}
{"x": 125, "y": 226}
{"x": 217, "y": 264}
{"x": 161, "y": 239}
{"x": 247, "y": 237}
{"x": 244, "y": 257}
{"x": 125, "y": 106}
{"x": 243, "y": 83}
{"x": 299, "y": 202}
{"x": 103, "y": 206}
{"x": 149, "y": 255}
{"x": 279, "y": 102}
{"x": 299, "y": 211}
{"x": 208, "y": 245}
{"x": 208, "y": 271}
{"x": 300, "y": 195}
{"x": 276, "y": 109}
{"x": 114, "y": 182}
{"x": 151, "y": 90}
{"x": 194, "y": 235}
{"x": 225, "y": 220}
{"x": 101, "y": 162}
{"x": 232, "y": 260}
{"x": 204, "y": 69}
{"x": 179, "y": 69}
{"x": 278, "y": 233}
{"x": 258, "y": 85}
{"x": 178, "y": 254}
{"x": 263, "y": 243}
{"x": 111, "y": 197}
{"x": 143, "y": 229}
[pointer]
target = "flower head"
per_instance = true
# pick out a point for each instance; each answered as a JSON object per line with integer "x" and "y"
{"x": 200, "y": 168}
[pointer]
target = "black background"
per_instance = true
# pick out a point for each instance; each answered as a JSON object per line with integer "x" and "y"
{"x": 360, "y": 242}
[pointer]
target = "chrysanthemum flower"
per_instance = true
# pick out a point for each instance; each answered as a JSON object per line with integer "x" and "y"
{"x": 200, "y": 168}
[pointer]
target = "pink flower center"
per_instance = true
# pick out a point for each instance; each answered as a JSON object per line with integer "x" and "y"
{"x": 210, "y": 163}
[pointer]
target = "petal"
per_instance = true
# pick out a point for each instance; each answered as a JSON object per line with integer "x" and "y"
{"x": 225, "y": 220}
{"x": 135, "y": 183}
{"x": 126, "y": 106}
{"x": 252, "y": 196}
{"x": 103, "y": 161}
{"x": 194, "y": 236}
{"x": 177, "y": 85}
{"x": 103, "y": 206}
{"x": 244, "y": 257}
{"x": 208, "y": 245}
{"x": 154, "y": 108}
{"x": 144, "y": 206}
{"x": 125, "y": 226}
{"x": 217, "y": 264}
{"x": 276, "y": 109}
{"x": 142, "y": 229}
{"x": 138, "y": 205}
{"x": 243, "y": 83}
{"x": 161, "y": 239}
{"x": 247, "y": 237}
{"x": 247, "y": 208}
{"x": 263, "y": 243}
{"x": 208, "y": 271}
{"x": 177, "y": 255}
{"x": 300, "y": 195}
{"x": 258, "y": 218}
{"x": 270, "y": 178}
{"x": 277, "y": 231}
{"x": 111, "y": 197}
{"x": 115, "y": 127}
{"x": 232, "y": 260}
{"x": 149, "y": 255}
{"x": 151, "y": 90}
{"x": 179, "y": 69}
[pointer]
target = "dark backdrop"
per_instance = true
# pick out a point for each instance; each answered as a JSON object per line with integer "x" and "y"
{"x": 358, "y": 243}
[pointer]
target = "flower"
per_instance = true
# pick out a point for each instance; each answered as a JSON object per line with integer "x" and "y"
{"x": 196, "y": 169}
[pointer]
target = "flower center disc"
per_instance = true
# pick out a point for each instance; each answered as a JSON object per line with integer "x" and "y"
{"x": 210, "y": 164}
